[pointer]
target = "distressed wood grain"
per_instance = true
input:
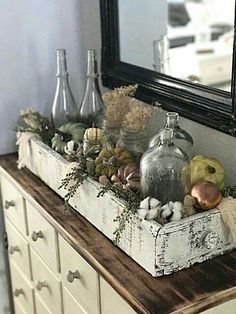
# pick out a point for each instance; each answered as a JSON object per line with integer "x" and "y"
{"x": 188, "y": 291}
{"x": 159, "y": 250}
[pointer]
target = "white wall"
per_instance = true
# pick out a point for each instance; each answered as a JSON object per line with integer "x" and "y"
{"x": 30, "y": 32}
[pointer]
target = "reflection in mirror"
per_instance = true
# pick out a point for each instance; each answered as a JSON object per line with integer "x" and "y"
{"x": 187, "y": 39}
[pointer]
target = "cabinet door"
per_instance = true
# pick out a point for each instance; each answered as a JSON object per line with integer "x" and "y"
{"x": 47, "y": 285}
{"x": 22, "y": 291}
{"x": 79, "y": 278}
{"x": 18, "y": 249}
{"x": 13, "y": 205}
{"x": 111, "y": 302}
{"x": 71, "y": 306}
{"x": 42, "y": 237}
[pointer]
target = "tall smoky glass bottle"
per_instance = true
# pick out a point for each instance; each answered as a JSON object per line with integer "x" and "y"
{"x": 181, "y": 138}
{"x": 165, "y": 170}
{"x": 91, "y": 111}
{"x": 64, "y": 108}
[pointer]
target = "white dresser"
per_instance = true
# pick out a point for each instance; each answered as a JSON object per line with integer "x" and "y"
{"x": 60, "y": 264}
{"x": 48, "y": 276}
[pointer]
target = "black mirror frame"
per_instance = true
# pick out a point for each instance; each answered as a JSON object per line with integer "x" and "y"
{"x": 206, "y": 105}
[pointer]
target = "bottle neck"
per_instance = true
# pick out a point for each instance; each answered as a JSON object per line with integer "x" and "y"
{"x": 91, "y": 64}
{"x": 166, "y": 143}
{"x": 166, "y": 137}
{"x": 62, "y": 80}
{"x": 61, "y": 63}
{"x": 172, "y": 120}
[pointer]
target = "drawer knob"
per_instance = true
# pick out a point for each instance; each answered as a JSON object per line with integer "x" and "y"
{"x": 71, "y": 276}
{"x": 36, "y": 235}
{"x": 14, "y": 249}
{"x": 17, "y": 292}
{"x": 9, "y": 204}
{"x": 41, "y": 284}
{"x": 211, "y": 240}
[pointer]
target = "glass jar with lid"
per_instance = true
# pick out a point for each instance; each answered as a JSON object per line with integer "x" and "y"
{"x": 133, "y": 141}
{"x": 181, "y": 138}
{"x": 165, "y": 170}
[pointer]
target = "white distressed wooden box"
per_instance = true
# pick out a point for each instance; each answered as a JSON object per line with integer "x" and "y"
{"x": 159, "y": 250}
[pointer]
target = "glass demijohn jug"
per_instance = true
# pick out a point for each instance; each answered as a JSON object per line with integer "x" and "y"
{"x": 91, "y": 111}
{"x": 64, "y": 108}
{"x": 181, "y": 138}
{"x": 165, "y": 170}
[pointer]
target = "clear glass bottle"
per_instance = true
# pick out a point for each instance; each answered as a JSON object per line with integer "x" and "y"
{"x": 64, "y": 108}
{"x": 181, "y": 138}
{"x": 165, "y": 170}
{"x": 92, "y": 108}
{"x": 133, "y": 141}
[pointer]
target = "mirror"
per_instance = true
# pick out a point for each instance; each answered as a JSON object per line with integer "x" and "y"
{"x": 187, "y": 39}
{"x": 195, "y": 75}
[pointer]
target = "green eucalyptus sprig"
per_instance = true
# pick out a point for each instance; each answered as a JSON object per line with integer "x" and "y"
{"x": 84, "y": 169}
{"x": 74, "y": 179}
{"x": 132, "y": 200}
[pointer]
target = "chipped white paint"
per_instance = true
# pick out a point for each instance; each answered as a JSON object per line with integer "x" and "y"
{"x": 159, "y": 250}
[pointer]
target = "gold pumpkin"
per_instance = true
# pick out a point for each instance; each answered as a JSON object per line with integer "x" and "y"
{"x": 207, "y": 169}
{"x": 108, "y": 161}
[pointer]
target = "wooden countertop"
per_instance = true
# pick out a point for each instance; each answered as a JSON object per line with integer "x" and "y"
{"x": 192, "y": 290}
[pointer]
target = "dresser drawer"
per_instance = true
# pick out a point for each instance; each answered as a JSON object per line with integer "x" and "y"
{"x": 22, "y": 291}
{"x": 13, "y": 205}
{"x": 41, "y": 307}
{"x": 42, "y": 237}
{"x": 71, "y": 306}
{"x": 111, "y": 301}
{"x": 225, "y": 308}
{"x": 18, "y": 309}
{"x": 47, "y": 286}
{"x": 84, "y": 288}
{"x": 18, "y": 249}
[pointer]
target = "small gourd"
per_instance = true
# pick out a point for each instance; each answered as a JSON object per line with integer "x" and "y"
{"x": 92, "y": 136}
{"x": 204, "y": 168}
{"x": 108, "y": 161}
{"x": 128, "y": 176}
{"x": 206, "y": 194}
{"x": 74, "y": 130}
